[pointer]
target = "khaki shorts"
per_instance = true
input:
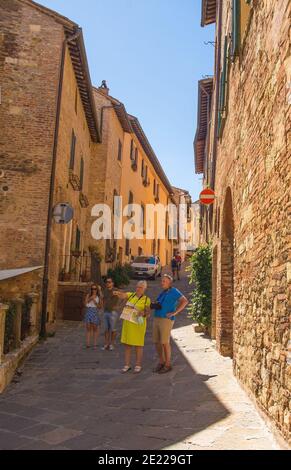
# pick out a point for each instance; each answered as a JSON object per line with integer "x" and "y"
{"x": 162, "y": 330}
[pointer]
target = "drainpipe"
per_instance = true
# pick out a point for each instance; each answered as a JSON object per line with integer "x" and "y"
{"x": 217, "y": 77}
{"x": 52, "y": 186}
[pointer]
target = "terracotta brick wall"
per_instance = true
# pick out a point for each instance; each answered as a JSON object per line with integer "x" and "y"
{"x": 254, "y": 162}
{"x": 30, "y": 44}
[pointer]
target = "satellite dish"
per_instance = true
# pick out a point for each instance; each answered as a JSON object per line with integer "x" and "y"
{"x": 63, "y": 213}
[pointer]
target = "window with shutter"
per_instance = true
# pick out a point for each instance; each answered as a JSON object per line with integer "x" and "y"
{"x": 222, "y": 89}
{"x": 78, "y": 239}
{"x": 130, "y": 202}
{"x": 119, "y": 151}
{"x": 130, "y": 198}
{"x": 142, "y": 222}
{"x": 132, "y": 150}
{"x": 235, "y": 28}
{"x": 81, "y": 173}
{"x": 127, "y": 247}
{"x": 73, "y": 150}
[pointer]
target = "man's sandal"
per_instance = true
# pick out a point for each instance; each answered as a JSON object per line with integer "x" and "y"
{"x": 165, "y": 370}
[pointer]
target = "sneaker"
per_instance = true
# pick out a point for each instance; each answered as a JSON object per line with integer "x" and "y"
{"x": 111, "y": 347}
{"x": 165, "y": 370}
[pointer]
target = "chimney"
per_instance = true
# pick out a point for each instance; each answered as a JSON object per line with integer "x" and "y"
{"x": 104, "y": 88}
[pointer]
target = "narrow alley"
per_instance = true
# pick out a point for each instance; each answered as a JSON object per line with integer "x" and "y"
{"x": 67, "y": 397}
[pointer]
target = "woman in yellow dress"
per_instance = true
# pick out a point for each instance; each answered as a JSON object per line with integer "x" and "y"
{"x": 137, "y": 308}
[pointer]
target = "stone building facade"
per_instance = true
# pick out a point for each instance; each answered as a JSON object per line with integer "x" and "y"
{"x": 127, "y": 167}
{"x": 242, "y": 147}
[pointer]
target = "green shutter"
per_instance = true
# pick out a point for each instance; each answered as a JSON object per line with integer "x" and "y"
{"x": 78, "y": 239}
{"x": 235, "y": 27}
{"x": 222, "y": 87}
{"x": 82, "y": 173}
{"x": 73, "y": 151}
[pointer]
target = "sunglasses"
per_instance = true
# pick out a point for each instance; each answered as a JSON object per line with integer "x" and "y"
{"x": 94, "y": 288}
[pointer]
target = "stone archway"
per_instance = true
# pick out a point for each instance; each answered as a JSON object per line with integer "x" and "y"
{"x": 224, "y": 329}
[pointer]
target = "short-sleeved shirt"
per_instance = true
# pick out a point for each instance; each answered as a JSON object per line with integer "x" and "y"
{"x": 169, "y": 301}
{"x": 110, "y": 300}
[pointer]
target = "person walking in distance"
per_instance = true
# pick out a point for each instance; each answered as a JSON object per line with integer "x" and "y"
{"x": 110, "y": 302}
{"x": 174, "y": 266}
{"x": 169, "y": 304}
{"x": 179, "y": 264}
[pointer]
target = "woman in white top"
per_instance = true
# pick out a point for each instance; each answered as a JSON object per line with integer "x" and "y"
{"x": 93, "y": 303}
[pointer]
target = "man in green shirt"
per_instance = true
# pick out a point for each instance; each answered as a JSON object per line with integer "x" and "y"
{"x": 110, "y": 314}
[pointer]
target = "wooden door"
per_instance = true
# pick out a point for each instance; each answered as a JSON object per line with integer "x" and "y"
{"x": 73, "y": 306}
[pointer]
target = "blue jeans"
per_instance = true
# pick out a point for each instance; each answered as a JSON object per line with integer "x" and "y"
{"x": 110, "y": 320}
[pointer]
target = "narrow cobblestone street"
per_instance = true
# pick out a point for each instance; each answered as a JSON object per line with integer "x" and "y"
{"x": 67, "y": 397}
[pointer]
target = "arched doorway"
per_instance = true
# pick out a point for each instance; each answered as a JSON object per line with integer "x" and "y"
{"x": 225, "y": 314}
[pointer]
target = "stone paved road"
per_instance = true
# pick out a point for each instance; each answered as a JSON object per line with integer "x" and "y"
{"x": 68, "y": 397}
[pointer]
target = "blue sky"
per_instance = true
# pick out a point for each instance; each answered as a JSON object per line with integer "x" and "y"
{"x": 152, "y": 54}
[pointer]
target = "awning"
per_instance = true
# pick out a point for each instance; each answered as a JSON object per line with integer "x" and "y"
{"x": 10, "y": 273}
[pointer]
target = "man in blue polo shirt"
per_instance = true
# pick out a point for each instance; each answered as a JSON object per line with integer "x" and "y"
{"x": 170, "y": 303}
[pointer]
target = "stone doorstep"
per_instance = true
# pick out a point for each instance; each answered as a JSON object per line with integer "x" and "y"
{"x": 13, "y": 360}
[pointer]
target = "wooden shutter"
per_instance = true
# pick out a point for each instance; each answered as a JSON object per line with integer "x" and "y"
{"x": 130, "y": 198}
{"x": 73, "y": 150}
{"x": 81, "y": 173}
{"x": 131, "y": 150}
{"x": 222, "y": 88}
{"x": 127, "y": 247}
{"x": 78, "y": 239}
{"x": 119, "y": 151}
{"x": 235, "y": 28}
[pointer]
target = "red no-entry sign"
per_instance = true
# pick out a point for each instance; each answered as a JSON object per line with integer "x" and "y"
{"x": 207, "y": 196}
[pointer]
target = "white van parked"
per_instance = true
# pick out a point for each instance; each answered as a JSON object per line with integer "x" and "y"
{"x": 147, "y": 267}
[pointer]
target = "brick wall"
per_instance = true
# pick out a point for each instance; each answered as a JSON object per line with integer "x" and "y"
{"x": 30, "y": 44}
{"x": 254, "y": 163}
